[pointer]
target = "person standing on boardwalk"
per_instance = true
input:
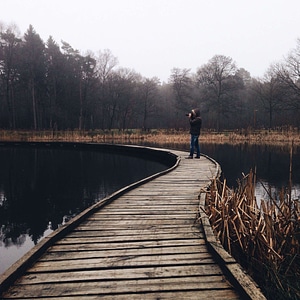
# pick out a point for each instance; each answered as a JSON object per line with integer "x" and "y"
{"x": 195, "y": 127}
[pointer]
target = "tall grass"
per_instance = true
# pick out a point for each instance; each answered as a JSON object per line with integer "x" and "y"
{"x": 278, "y": 136}
{"x": 265, "y": 240}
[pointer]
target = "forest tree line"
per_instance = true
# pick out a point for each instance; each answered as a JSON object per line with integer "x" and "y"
{"x": 44, "y": 85}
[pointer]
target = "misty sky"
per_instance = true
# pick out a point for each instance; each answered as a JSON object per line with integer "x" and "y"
{"x": 154, "y": 36}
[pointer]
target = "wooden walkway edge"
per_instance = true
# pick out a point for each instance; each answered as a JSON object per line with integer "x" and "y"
{"x": 142, "y": 242}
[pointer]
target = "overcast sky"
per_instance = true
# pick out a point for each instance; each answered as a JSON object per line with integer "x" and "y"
{"x": 154, "y": 36}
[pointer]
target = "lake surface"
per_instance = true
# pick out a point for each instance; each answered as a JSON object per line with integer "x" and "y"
{"x": 272, "y": 164}
{"x": 42, "y": 188}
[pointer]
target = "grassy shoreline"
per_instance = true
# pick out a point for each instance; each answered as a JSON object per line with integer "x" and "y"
{"x": 272, "y": 137}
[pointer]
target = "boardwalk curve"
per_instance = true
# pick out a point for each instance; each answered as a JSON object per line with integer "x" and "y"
{"x": 146, "y": 244}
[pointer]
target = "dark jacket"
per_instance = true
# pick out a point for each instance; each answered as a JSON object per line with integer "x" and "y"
{"x": 195, "y": 122}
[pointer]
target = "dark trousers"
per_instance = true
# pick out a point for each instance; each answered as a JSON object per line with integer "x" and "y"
{"x": 194, "y": 144}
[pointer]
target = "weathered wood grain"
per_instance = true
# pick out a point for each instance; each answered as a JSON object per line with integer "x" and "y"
{"x": 124, "y": 273}
{"x": 146, "y": 244}
{"x": 194, "y": 283}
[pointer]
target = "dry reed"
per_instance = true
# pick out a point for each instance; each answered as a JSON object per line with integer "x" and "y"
{"x": 265, "y": 239}
{"x": 280, "y": 136}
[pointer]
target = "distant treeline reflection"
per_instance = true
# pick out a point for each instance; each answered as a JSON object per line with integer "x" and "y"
{"x": 272, "y": 162}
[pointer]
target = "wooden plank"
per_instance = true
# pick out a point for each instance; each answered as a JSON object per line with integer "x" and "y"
{"x": 98, "y": 226}
{"x": 141, "y": 219}
{"x": 121, "y": 262}
{"x": 59, "y": 246}
{"x": 130, "y": 238}
{"x": 125, "y": 231}
{"x": 140, "y": 222}
{"x": 103, "y": 253}
{"x": 182, "y": 199}
{"x": 140, "y": 230}
{"x": 156, "y": 204}
{"x": 191, "y": 295}
{"x": 120, "y": 244}
{"x": 104, "y": 236}
{"x": 160, "y": 214}
{"x": 195, "y": 283}
{"x": 123, "y": 273}
{"x": 154, "y": 214}
{"x": 146, "y": 209}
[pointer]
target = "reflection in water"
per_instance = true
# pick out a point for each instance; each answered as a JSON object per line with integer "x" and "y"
{"x": 41, "y": 188}
{"x": 271, "y": 162}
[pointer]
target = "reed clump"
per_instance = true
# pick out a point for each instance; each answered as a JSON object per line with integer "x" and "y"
{"x": 265, "y": 240}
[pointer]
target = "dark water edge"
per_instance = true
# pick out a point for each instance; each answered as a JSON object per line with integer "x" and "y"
{"x": 272, "y": 165}
{"x": 41, "y": 189}
{"x": 271, "y": 162}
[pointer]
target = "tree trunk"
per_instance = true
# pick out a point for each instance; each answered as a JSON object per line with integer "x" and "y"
{"x": 34, "y": 106}
{"x": 81, "y": 106}
{"x": 13, "y": 107}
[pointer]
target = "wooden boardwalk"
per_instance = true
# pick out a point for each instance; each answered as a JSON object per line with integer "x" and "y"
{"x": 145, "y": 244}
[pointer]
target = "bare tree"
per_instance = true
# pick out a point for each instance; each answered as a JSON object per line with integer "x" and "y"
{"x": 293, "y": 64}
{"x": 217, "y": 79}
{"x": 271, "y": 94}
{"x": 127, "y": 96}
{"x": 182, "y": 85}
{"x": 289, "y": 74}
{"x": 149, "y": 93}
{"x": 106, "y": 62}
{"x": 107, "y": 77}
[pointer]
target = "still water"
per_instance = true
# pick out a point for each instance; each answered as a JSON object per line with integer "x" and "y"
{"x": 272, "y": 164}
{"x": 43, "y": 188}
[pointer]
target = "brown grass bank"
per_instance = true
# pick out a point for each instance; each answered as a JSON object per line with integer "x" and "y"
{"x": 279, "y": 136}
